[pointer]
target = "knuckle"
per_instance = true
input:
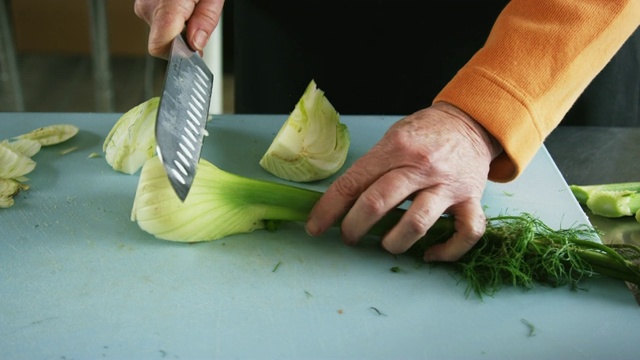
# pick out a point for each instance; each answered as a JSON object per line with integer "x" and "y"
{"x": 473, "y": 230}
{"x": 373, "y": 203}
{"x": 417, "y": 223}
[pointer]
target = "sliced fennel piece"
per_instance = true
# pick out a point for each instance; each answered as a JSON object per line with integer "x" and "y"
{"x": 25, "y": 147}
{"x": 51, "y": 135}
{"x": 8, "y": 189}
{"x": 15, "y": 157}
{"x": 312, "y": 144}
{"x": 13, "y": 163}
{"x": 132, "y": 139}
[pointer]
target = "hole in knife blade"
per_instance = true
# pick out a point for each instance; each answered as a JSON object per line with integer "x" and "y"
{"x": 183, "y": 158}
{"x": 188, "y": 142}
{"x": 180, "y": 167}
{"x": 192, "y": 126}
{"x": 176, "y": 175}
{"x": 200, "y": 89}
{"x": 188, "y": 131}
{"x": 200, "y": 98}
{"x": 193, "y": 117}
{"x": 185, "y": 150}
{"x": 195, "y": 101}
{"x": 202, "y": 75}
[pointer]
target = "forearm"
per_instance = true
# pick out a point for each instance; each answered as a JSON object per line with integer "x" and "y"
{"x": 538, "y": 59}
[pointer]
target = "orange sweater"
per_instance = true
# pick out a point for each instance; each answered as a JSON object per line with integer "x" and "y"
{"x": 539, "y": 57}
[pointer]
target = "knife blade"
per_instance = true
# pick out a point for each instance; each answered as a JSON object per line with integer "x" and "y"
{"x": 182, "y": 115}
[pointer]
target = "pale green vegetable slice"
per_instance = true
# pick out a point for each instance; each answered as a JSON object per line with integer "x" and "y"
{"x": 51, "y": 135}
{"x": 15, "y": 157}
{"x": 13, "y": 163}
{"x": 8, "y": 189}
{"x": 25, "y": 147}
{"x": 132, "y": 140}
{"x": 312, "y": 144}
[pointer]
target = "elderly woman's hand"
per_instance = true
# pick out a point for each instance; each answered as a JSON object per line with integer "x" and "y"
{"x": 439, "y": 158}
{"x": 168, "y": 18}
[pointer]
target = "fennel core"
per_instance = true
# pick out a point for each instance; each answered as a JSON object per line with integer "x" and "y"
{"x": 515, "y": 250}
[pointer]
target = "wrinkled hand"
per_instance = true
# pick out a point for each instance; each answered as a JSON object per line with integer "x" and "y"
{"x": 167, "y": 19}
{"x": 439, "y": 157}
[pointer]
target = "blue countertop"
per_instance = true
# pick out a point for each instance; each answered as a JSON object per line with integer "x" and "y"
{"x": 79, "y": 280}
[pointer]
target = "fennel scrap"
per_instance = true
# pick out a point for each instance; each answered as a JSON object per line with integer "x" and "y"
{"x": 16, "y": 154}
{"x": 377, "y": 312}
{"x": 277, "y": 266}
{"x": 530, "y": 326}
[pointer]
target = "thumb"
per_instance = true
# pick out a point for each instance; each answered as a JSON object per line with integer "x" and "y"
{"x": 205, "y": 18}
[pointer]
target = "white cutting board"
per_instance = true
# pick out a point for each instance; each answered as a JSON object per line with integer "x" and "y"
{"x": 78, "y": 280}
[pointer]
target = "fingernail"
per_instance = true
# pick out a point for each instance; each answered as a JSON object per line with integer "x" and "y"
{"x": 311, "y": 228}
{"x": 200, "y": 39}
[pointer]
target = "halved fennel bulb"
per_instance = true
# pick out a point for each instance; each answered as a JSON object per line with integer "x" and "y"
{"x": 219, "y": 204}
{"x": 312, "y": 144}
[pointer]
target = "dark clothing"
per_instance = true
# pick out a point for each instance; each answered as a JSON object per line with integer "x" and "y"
{"x": 388, "y": 57}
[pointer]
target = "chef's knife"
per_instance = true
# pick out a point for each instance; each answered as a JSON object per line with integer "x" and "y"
{"x": 182, "y": 115}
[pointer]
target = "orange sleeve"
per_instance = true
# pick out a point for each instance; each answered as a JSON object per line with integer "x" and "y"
{"x": 537, "y": 60}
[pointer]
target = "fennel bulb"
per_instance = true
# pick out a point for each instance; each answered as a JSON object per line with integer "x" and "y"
{"x": 219, "y": 204}
{"x": 312, "y": 144}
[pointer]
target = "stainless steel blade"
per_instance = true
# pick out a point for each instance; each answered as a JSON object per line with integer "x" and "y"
{"x": 182, "y": 115}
